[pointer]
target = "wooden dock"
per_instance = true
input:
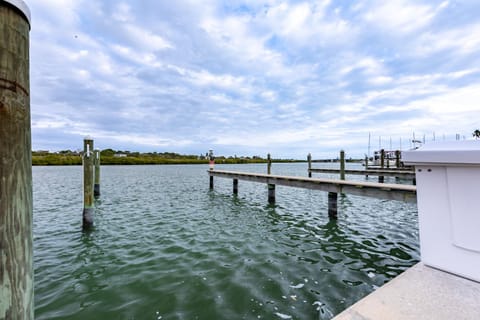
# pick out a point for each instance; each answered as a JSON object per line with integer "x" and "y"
{"x": 370, "y": 172}
{"x": 397, "y": 192}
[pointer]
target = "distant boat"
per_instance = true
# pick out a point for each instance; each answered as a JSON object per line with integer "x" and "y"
{"x": 389, "y": 160}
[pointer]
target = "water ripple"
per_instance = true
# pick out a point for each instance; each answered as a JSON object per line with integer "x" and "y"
{"x": 166, "y": 247}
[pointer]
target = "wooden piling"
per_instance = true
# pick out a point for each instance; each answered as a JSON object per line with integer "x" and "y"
{"x": 397, "y": 158}
{"x": 342, "y": 165}
{"x": 332, "y": 205}
{"x": 235, "y": 186}
{"x": 382, "y": 158}
{"x": 381, "y": 179}
{"x": 211, "y": 160}
{"x": 88, "y": 177}
{"x": 271, "y": 193}
{"x": 96, "y": 186}
{"x": 309, "y": 160}
{"x": 16, "y": 244}
{"x": 269, "y": 164}
{"x": 366, "y": 165}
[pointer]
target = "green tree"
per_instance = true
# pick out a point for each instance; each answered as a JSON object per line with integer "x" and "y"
{"x": 107, "y": 153}
{"x": 476, "y": 134}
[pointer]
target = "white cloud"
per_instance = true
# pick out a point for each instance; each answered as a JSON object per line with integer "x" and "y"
{"x": 252, "y": 73}
{"x": 462, "y": 40}
{"x": 401, "y": 16}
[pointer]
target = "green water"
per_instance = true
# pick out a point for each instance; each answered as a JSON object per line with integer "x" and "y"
{"x": 166, "y": 247}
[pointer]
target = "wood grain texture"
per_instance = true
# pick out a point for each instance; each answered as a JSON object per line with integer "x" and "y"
{"x": 88, "y": 183}
{"x": 16, "y": 249}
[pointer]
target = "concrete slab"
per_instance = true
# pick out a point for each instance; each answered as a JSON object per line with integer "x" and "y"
{"x": 419, "y": 293}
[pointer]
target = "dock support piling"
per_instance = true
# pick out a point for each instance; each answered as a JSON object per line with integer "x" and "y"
{"x": 309, "y": 160}
{"x": 382, "y": 165}
{"x": 211, "y": 182}
{"x": 342, "y": 165}
{"x": 271, "y": 193}
{"x": 88, "y": 176}
{"x": 235, "y": 186}
{"x": 397, "y": 158}
{"x": 332, "y": 205}
{"x": 366, "y": 165}
{"x": 16, "y": 203}
{"x": 382, "y": 158}
{"x": 269, "y": 164}
{"x": 96, "y": 187}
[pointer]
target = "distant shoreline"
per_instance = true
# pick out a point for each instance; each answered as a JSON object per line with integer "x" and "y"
{"x": 112, "y": 157}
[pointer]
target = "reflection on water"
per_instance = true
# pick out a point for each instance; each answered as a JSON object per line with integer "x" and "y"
{"x": 166, "y": 247}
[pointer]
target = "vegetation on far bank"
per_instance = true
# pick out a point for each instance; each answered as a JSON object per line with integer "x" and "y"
{"x": 114, "y": 157}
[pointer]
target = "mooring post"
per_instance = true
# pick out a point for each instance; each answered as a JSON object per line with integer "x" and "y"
{"x": 332, "y": 205}
{"x": 397, "y": 158}
{"x": 309, "y": 160}
{"x": 382, "y": 165}
{"x": 16, "y": 204}
{"x": 96, "y": 187}
{"x": 235, "y": 186}
{"x": 211, "y": 165}
{"x": 211, "y": 160}
{"x": 366, "y": 165}
{"x": 382, "y": 158}
{"x": 88, "y": 175}
{"x": 271, "y": 193}
{"x": 342, "y": 165}
{"x": 269, "y": 164}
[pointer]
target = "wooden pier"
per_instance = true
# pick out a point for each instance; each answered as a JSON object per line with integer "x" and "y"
{"x": 397, "y": 192}
{"x": 370, "y": 172}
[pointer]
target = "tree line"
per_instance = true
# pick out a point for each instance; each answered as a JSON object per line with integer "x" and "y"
{"x": 118, "y": 157}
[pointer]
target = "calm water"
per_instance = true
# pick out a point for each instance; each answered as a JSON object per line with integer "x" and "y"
{"x": 166, "y": 247}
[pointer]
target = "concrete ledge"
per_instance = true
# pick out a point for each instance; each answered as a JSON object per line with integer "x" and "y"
{"x": 421, "y": 292}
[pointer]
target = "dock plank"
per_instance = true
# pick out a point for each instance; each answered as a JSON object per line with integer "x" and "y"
{"x": 397, "y": 192}
{"x": 370, "y": 172}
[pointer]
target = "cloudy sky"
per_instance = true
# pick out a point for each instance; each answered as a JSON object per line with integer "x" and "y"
{"x": 251, "y": 77}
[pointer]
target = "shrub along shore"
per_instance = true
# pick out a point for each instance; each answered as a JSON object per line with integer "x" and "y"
{"x": 113, "y": 157}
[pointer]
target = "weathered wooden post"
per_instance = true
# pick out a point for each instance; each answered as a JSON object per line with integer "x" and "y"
{"x": 332, "y": 205}
{"x": 382, "y": 158}
{"x": 269, "y": 164}
{"x": 271, "y": 193}
{"x": 211, "y": 164}
{"x": 96, "y": 187}
{"x": 16, "y": 244}
{"x": 309, "y": 160}
{"x": 235, "y": 186}
{"x": 397, "y": 158}
{"x": 382, "y": 164}
{"x": 342, "y": 165}
{"x": 88, "y": 175}
{"x": 366, "y": 165}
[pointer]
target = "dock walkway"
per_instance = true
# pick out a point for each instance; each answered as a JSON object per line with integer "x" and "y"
{"x": 420, "y": 292}
{"x": 397, "y": 192}
{"x": 370, "y": 172}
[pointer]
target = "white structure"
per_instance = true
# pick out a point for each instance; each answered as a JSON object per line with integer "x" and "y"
{"x": 448, "y": 198}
